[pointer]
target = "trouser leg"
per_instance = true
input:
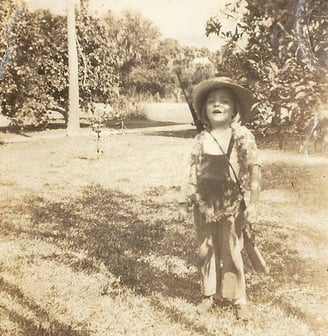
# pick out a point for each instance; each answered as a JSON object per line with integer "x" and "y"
{"x": 220, "y": 261}
{"x": 206, "y": 254}
{"x": 230, "y": 243}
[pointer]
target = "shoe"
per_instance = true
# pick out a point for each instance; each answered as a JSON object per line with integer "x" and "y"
{"x": 243, "y": 313}
{"x": 205, "y": 305}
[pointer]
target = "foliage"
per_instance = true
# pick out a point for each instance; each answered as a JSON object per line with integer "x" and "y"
{"x": 99, "y": 70}
{"x": 194, "y": 65}
{"x": 155, "y": 75}
{"x": 285, "y": 60}
{"x": 146, "y": 62}
{"x": 121, "y": 59}
{"x": 130, "y": 40}
{"x": 7, "y": 38}
{"x": 35, "y": 80}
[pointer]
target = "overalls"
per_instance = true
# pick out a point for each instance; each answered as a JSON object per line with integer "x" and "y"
{"x": 220, "y": 241}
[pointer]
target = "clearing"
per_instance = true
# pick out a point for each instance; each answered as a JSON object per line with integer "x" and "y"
{"x": 94, "y": 246}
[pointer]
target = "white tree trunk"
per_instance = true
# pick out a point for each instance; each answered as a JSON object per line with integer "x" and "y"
{"x": 73, "y": 117}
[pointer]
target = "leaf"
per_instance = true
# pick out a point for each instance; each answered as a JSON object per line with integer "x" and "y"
{"x": 274, "y": 67}
{"x": 300, "y": 95}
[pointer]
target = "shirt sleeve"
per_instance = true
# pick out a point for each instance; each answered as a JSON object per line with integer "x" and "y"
{"x": 194, "y": 161}
{"x": 252, "y": 157}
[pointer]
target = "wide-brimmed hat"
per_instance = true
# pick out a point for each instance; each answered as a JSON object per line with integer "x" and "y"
{"x": 245, "y": 97}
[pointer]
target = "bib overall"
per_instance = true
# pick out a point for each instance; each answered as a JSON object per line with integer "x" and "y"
{"x": 220, "y": 236}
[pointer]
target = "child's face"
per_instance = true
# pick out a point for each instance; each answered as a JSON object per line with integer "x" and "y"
{"x": 220, "y": 107}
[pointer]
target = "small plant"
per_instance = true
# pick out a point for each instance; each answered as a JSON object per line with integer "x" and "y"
{"x": 98, "y": 114}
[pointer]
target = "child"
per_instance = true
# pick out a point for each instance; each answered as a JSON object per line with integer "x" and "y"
{"x": 215, "y": 189}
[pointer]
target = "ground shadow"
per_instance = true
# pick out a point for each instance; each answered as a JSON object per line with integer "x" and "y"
{"x": 119, "y": 231}
{"x": 116, "y": 123}
{"x": 137, "y": 123}
{"x": 46, "y": 326}
{"x": 188, "y": 133}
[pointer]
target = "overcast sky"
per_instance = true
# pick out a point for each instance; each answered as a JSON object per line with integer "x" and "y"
{"x": 183, "y": 20}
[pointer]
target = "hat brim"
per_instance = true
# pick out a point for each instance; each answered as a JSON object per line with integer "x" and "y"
{"x": 245, "y": 97}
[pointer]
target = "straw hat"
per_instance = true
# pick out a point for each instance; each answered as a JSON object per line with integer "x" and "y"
{"x": 245, "y": 97}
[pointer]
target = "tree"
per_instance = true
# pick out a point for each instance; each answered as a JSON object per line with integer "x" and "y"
{"x": 34, "y": 68}
{"x": 194, "y": 65}
{"x": 9, "y": 19}
{"x": 98, "y": 58}
{"x": 131, "y": 39}
{"x": 285, "y": 59}
{"x": 156, "y": 74}
{"x": 23, "y": 75}
{"x": 35, "y": 79}
{"x": 116, "y": 56}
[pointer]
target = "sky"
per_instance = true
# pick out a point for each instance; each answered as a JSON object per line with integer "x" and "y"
{"x": 183, "y": 20}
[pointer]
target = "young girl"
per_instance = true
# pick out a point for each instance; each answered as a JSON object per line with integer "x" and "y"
{"x": 214, "y": 189}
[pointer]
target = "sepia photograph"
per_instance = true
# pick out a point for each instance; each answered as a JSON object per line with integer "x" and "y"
{"x": 164, "y": 168}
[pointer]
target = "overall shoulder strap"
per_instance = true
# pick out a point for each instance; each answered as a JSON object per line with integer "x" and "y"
{"x": 227, "y": 156}
{"x": 231, "y": 143}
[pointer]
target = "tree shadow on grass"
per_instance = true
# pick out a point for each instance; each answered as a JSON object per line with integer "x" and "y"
{"x": 47, "y": 327}
{"x": 120, "y": 232}
{"x": 186, "y": 134}
{"x": 289, "y": 274}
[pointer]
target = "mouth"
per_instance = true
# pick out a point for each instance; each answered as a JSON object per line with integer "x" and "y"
{"x": 217, "y": 112}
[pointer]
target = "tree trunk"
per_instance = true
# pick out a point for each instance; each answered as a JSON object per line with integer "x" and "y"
{"x": 73, "y": 116}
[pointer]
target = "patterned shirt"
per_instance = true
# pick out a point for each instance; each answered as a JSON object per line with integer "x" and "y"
{"x": 244, "y": 154}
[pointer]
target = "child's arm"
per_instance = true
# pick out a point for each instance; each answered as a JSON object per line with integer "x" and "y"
{"x": 190, "y": 188}
{"x": 187, "y": 192}
{"x": 255, "y": 189}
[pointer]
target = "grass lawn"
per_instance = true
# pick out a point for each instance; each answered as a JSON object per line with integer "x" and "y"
{"x": 94, "y": 246}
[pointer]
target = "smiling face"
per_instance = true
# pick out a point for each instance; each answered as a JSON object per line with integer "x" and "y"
{"x": 220, "y": 107}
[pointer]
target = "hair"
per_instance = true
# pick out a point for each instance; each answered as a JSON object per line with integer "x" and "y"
{"x": 203, "y": 113}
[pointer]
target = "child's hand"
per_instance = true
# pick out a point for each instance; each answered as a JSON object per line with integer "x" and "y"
{"x": 251, "y": 213}
{"x": 183, "y": 210}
